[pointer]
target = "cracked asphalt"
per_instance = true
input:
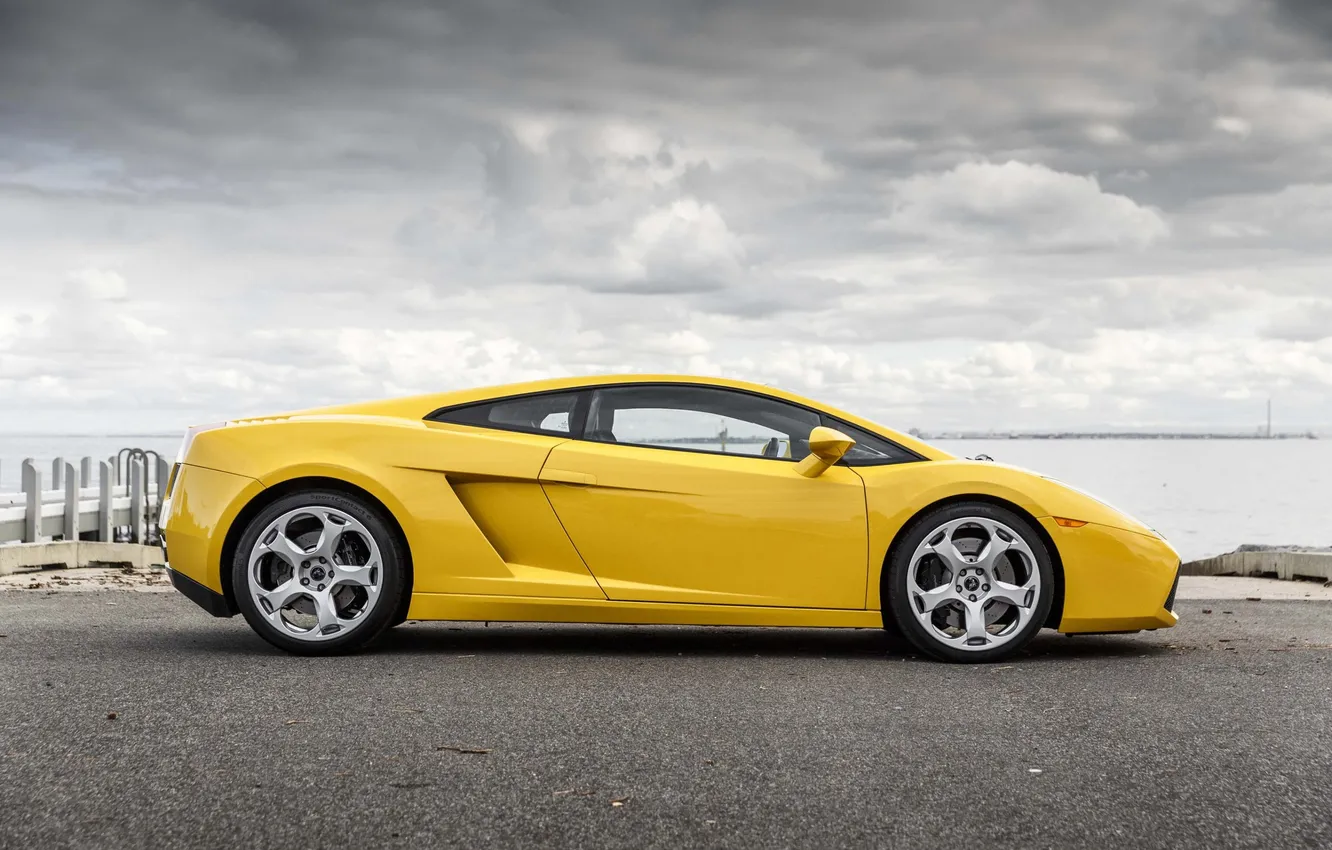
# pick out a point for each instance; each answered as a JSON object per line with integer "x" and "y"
{"x": 1215, "y": 733}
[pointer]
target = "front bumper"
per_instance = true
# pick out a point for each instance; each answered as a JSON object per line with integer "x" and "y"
{"x": 1174, "y": 589}
{"x": 1115, "y": 580}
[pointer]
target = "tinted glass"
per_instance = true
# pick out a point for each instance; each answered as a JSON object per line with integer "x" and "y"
{"x": 544, "y": 414}
{"x": 869, "y": 450}
{"x": 700, "y": 419}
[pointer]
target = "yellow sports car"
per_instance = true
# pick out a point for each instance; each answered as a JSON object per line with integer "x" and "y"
{"x": 641, "y": 499}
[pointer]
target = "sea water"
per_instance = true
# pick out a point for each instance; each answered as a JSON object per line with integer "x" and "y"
{"x": 1205, "y": 496}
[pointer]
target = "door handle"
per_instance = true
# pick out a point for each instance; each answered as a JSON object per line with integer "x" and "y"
{"x": 565, "y": 476}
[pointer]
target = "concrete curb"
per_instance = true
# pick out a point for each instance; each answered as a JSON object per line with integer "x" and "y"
{"x": 1283, "y": 564}
{"x": 83, "y": 579}
{"x": 1234, "y": 588}
{"x": 76, "y": 553}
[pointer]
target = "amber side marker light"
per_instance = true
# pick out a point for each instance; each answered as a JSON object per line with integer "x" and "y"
{"x": 1064, "y": 522}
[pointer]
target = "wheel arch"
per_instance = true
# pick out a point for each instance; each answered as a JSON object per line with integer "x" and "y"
{"x": 269, "y": 495}
{"x": 1056, "y": 560}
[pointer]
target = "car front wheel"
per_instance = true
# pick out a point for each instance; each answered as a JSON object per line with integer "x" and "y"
{"x": 971, "y": 582}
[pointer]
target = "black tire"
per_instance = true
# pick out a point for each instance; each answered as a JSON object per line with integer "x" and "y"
{"x": 400, "y": 615}
{"x": 897, "y": 639}
{"x": 392, "y": 579}
{"x": 897, "y": 599}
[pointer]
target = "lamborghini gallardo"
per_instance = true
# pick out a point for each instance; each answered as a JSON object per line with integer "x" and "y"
{"x": 641, "y": 499}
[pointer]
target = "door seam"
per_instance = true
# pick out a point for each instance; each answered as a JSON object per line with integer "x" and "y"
{"x": 546, "y": 495}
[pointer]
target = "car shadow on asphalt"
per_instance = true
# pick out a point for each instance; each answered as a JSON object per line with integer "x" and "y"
{"x": 712, "y": 641}
{"x": 511, "y": 639}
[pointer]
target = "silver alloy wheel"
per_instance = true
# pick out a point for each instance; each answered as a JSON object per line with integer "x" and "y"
{"x": 973, "y": 583}
{"x": 315, "y": 573}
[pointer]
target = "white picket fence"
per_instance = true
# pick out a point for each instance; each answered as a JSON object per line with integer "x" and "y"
{"x": 119, "y": 505}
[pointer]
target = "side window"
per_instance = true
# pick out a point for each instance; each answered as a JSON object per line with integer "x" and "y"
{"x": 870, "y": 449}
{"x": 552, "y": 413}
{"x": 702, "y": 419}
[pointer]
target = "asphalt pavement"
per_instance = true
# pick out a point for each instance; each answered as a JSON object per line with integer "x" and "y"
{"x": 134, "y": 720}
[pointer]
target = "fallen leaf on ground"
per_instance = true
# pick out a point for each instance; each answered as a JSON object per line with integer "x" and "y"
{"x": 294, "y": 722}
{"x": 619, "y": 802}
{"x": 111, "y": 715}
{"x": 478, "y": 751}
{"x": 1207, "y": 610}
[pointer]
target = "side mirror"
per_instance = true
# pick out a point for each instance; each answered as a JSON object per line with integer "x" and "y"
{"x": 826, "y": 447}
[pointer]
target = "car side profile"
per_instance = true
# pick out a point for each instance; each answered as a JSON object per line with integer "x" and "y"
{"x": 641, "y": 499}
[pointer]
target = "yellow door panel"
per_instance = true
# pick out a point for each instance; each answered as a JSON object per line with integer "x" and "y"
{"x": 661, "y": 525}
{"x": 564, "y": 476}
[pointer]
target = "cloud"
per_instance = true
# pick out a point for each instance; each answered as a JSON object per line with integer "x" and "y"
{"x": 1309, "y": 320}
{"x": 1018, "y": 203}
{"x": 98, "y": 285}
{"x": 968, "y": 215}
{"x": 1233, "y": 125}
{"x": 681, "y": 248}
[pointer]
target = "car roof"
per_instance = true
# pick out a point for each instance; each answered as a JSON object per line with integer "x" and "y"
{"x": 419, "y": 406}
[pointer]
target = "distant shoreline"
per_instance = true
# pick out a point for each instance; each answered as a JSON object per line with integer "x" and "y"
{"x": 967, "y": 435}
{"x": 1017, "y": 435}
{"x": 44, "y": 436}
{"x": 922, "y": 435}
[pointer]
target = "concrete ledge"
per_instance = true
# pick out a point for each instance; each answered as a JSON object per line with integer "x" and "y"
{"x": 1266, "y": 589}
{"x": 76, "y": 553}
{"x": 1268, "y": 563}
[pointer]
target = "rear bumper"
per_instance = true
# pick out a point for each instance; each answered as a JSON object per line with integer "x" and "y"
{"x": 209, "y": 600}
{"x": 195, "y": 519}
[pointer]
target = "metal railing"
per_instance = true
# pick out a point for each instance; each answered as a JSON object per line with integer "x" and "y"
{"x": 120, "y": 505}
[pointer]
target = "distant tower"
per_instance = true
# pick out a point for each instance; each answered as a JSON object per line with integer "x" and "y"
{"x": 1269, "y": 419}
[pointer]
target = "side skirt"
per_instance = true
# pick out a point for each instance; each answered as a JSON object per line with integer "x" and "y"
{"x": 531, "y": 609}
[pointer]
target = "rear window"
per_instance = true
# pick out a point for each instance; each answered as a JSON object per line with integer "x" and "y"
{"x": 541, "y": 414}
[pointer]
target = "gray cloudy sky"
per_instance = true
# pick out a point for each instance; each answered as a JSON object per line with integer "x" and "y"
{"x": 941, "y": 214}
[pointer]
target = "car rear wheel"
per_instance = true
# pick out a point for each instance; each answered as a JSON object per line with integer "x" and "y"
{"x": 318, "y": 573}
{"x": 972, "y": 582}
